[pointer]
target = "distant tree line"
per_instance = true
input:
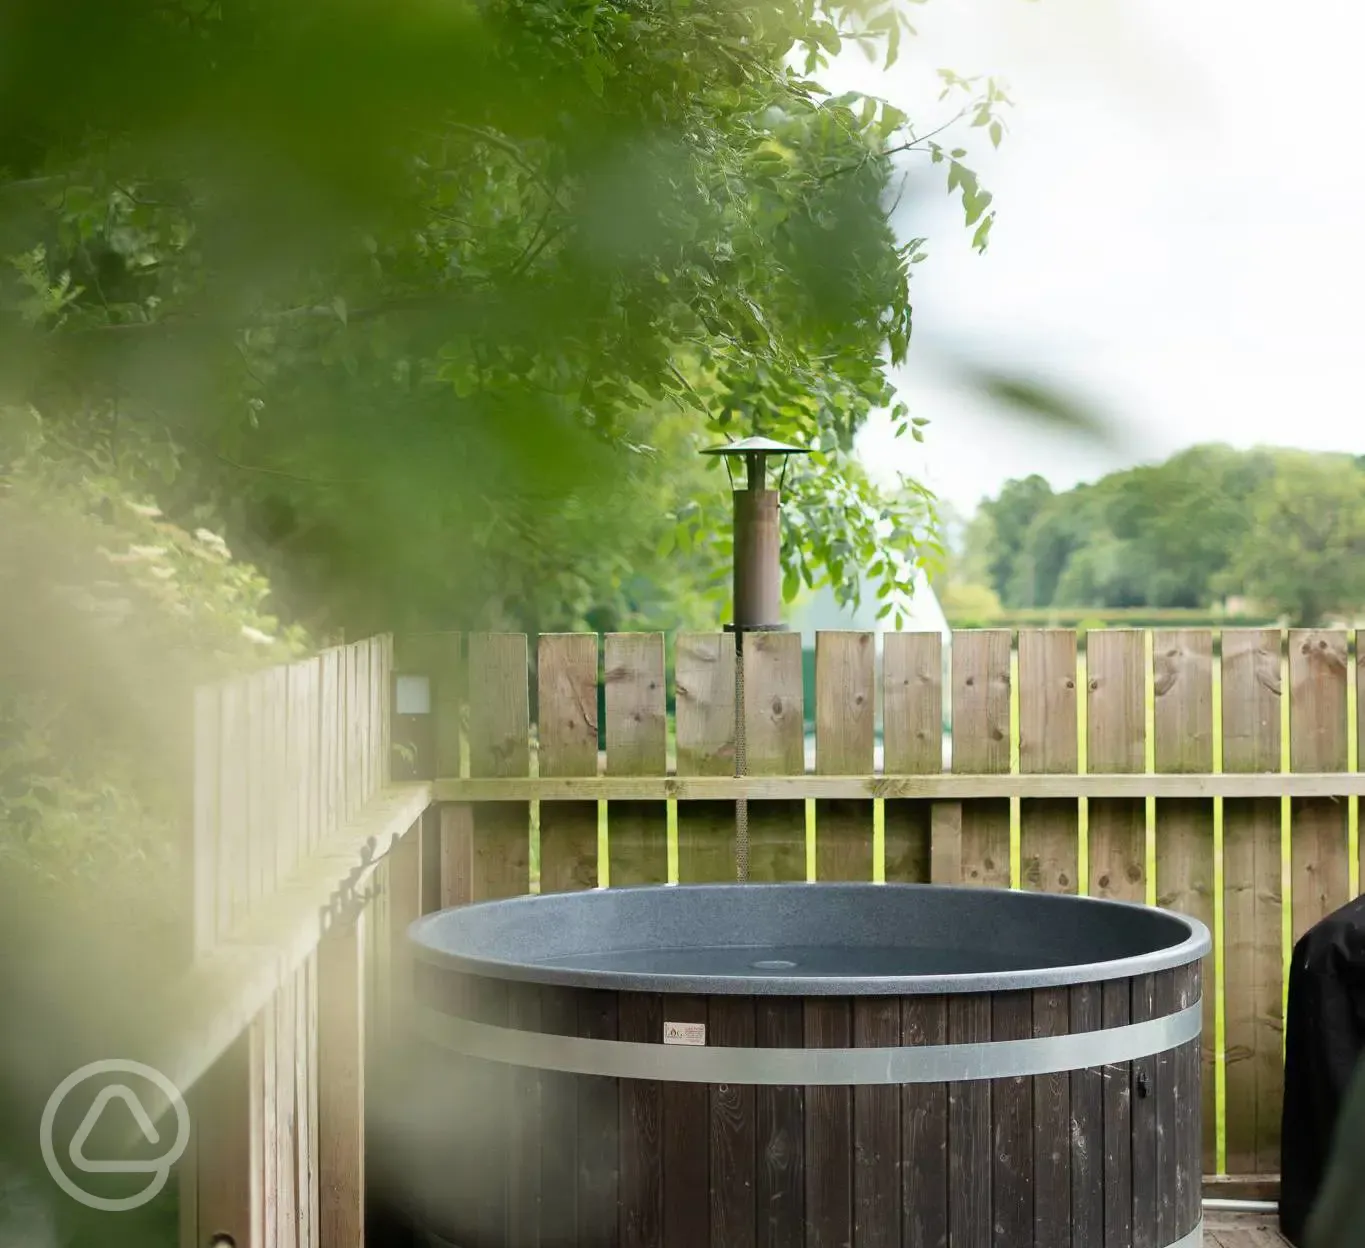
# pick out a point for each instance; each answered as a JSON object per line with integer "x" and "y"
{"x": 1282, "y": 529}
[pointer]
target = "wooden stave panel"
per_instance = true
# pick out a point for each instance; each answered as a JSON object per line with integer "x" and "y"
{"x": 912, "y": 719}
{"x": 1116, "y": 743}
{"x": 567, "y": 731}
{"x": 704, "y": 683}
{"x": 924, "y": 1133}
{"x": 1182, "y": 669}
{"x": 637, "y": 832}
{"x": 1055, "y": 1132}
{"x": 828, "y": 1024}
{"x": 1253, "y": 956}
{"x": 641, "y": 1195}
{"x": 1319, "y": 882}
{"x": 1150, "y": 995}
{"x": 1086, "y": 1111}
{"x": 774, "y": 731}
{"x": 877, "y": 1133}
{"x": 1116, "y": 1009}
{"x": 1012, "y": 1135}
{"x": 687, "y": 1143}
{"x": 845, "y": 709}
{"x": 971, "y": 1155}
{"x": 981, "y": 744}
{"x": 1049, "y": 831}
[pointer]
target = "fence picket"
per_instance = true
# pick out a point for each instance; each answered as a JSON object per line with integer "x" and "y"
{"x": 1182, "y": 663}
{"x": 705, "y": 686}
{"x": 1252, "y": 947}
{"x": 1317, "y": 742}
{"x": 566, "y": 698}
{"x": 637, "y": 745}
{"x": 774, "y": 739}
{"x": 206, "y": 868}
{"x": 912, "y": 732}
{"x": 845, "y": 707}
{"x": 1048, "y": 829}
{"x": 499, "y": 745}
{"x": 1116, "y": 736}
{"x": 981, "y": 744}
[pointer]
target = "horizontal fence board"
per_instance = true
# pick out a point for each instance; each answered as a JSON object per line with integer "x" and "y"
{"x": 943, "y": 788}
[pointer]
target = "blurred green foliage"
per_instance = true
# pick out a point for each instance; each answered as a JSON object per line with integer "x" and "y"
{"x": 433, "y": 305}
{"x": 423, "y": 312}
{"x": 1282, "y": 529}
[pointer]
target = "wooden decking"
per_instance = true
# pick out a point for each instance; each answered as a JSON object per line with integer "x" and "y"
{"x": 1242, "y": 1230}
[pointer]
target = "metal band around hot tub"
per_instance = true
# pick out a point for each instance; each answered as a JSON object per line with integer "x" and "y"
{"x": 932, "y": 1063}
{"x": 1194, "y": 1239}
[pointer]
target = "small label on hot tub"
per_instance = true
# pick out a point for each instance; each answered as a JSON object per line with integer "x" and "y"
{"x": 684, "y": 1033}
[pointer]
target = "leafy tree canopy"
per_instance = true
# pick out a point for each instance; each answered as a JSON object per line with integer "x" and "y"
{"x": 1283, "y": 528}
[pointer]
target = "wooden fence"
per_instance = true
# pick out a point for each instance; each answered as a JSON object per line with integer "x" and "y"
{"x": 1149, "y": 767}
{"x": 305, "y": 862}
{"x": 1165, "y": 766}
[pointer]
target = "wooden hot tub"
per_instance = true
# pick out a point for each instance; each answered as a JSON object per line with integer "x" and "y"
{"x": 807, "y": 1066}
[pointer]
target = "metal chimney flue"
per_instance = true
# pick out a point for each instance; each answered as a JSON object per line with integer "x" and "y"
{"x": 757, "y": 586}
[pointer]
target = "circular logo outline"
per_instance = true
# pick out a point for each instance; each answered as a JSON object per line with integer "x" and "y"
{"x": 159, "y": 1168}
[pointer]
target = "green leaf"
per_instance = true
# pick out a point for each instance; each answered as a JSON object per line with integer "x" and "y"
{"x": 997, "y": 132}
{"x": 978, "y": 205}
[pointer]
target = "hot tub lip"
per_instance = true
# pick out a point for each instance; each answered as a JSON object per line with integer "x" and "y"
{"x": 1194, "y": 947}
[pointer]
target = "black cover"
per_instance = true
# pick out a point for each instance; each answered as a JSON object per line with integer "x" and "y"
{"x": 1324, "y": 1037}
{"x": 1338, "y": 1219}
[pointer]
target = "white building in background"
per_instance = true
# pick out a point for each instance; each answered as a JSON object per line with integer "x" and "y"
{"x": 818, "y": 610}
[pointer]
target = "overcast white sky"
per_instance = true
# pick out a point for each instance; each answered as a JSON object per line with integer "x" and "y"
{"x": 1179, "y": 236}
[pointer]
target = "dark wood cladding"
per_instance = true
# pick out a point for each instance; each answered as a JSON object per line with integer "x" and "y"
{"x": 1101, "y": 1156}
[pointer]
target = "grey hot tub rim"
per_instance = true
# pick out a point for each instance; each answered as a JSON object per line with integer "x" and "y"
{"x": 535, "y": 938}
